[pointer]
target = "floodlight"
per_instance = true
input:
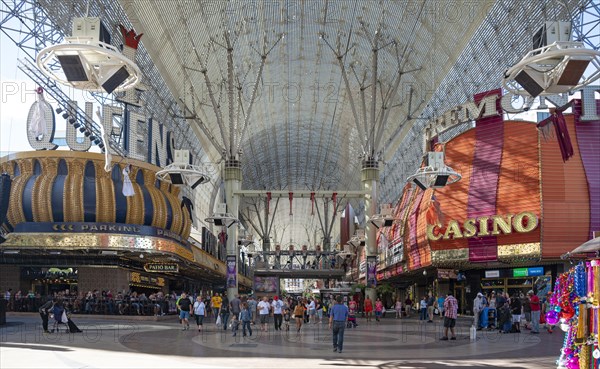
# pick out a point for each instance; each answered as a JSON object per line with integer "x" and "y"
{"x": 221, "y": 217}
{"x": 384, "y": 219}
{"x": 435, "y": 173}
{"x": 181, "y": 172}
{"x": 111, "y": 77}
{"x": 73, "y": 68}
{"x": 88, "y": 61}
{"x": 348, "y": 250}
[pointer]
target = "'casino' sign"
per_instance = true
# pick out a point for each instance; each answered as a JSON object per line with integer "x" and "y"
{"x": 494, "y": 225}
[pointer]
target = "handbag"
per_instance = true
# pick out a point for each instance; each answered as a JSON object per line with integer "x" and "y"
{"x": 436, "y": 311}
{"x": 218, "y": 322}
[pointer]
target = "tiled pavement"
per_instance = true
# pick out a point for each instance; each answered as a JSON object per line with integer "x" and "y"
{"x": 152, "y": 344}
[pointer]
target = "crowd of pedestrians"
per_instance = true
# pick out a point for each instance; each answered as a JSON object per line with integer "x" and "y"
{"x": 497, "y": 310}
{"x": 96, "y": 302}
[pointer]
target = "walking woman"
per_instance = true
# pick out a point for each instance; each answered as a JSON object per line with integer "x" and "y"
{"x": 199, "y": 312}
{"x": 378, "y": 309}
{"x": 319, "y": 307}
{"x": 398, "y": 308}
{"x": 299, "y": 314}
{"x": 368, "y": 308}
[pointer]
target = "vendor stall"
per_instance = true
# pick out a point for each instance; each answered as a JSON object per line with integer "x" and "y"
{"x": 574, "y": 306}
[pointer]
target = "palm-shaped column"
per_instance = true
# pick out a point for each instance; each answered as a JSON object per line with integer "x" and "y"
{"x": 232, "y": 129}
{"x": 370, "y": 117}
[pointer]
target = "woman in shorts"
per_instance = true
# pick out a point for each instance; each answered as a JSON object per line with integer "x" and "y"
{"x": 378, "y": 309}
{"x": 299, "y": 314}
{"x": 199, "y": 312}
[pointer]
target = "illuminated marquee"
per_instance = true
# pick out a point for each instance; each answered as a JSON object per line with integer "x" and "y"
{"x": 484, "y": 226}
{"x": 469, "y": 111}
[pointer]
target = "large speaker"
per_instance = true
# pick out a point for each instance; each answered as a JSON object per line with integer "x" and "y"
{"x": 73, "y": 68}
{"x": 530, "y": 82}
{"x": 5, "y": 184}
{"x": 111, "y": 77}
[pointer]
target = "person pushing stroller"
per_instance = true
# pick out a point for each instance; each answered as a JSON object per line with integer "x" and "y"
{"x": 61, "y": 317}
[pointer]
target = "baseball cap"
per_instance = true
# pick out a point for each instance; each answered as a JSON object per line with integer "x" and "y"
{"x": 479, "y": 294}
{"x": 275, "y": 298}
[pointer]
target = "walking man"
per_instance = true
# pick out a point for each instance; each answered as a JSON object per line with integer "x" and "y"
{"x": 264, "y": 309}
{"x": 252, "y": 306}
{"x": 184, "y": 304}
{"x": 236, "y": 305}
{"x": 430, "y": 304}
{"x": 277, "y": 306}
{"x": 534, "y": 301}
{"x": 337, "y": 322}
{"x": 450, "y": 314}
{"x": 216, "y": 302}
{"x": 477, "y": 309}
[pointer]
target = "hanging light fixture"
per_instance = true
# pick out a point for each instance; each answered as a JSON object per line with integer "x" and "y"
{"x": 181, "y": 172}
{"x": 221, "y": 217}
{"x": 435, "y": 173}
{"x": 556, "y": 65}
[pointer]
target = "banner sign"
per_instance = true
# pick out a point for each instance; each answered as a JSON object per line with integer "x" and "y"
{"x": 266, "y": 285}
{"x": 371, "y": 271}
{"x": 447, "y": 273}
{"x": 161, "y": 267}
{"x": 231, "y": 272}
{"x": 108, "y": 228}
{"x": 528, "y": 272}
{"x": 492, "y": 274}
{"x": 141, "y": 280}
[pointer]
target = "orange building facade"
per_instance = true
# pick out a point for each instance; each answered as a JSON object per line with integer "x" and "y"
{"x": 517, "y": 207}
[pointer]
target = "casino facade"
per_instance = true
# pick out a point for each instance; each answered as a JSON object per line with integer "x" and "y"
{"x": 505, "y": 225}
{"x": 70, "y": 227}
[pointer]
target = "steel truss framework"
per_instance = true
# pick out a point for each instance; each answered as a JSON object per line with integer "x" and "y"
{"x": 35, "y": 24}
{"x": 482, "y": 63}
{"x": 500, "y": 42}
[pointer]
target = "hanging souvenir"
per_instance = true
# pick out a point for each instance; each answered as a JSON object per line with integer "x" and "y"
{"x": 37, "y": 126}
{"x": 127, "y": 185}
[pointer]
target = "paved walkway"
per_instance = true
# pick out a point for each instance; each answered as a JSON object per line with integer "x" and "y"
{"x": 390, "y": 344}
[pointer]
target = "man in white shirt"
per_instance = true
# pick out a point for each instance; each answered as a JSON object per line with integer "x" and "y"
{"x": 263, "y": 308}
{"x": 277, "y": 306}
{"x": 477, "y": 308}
